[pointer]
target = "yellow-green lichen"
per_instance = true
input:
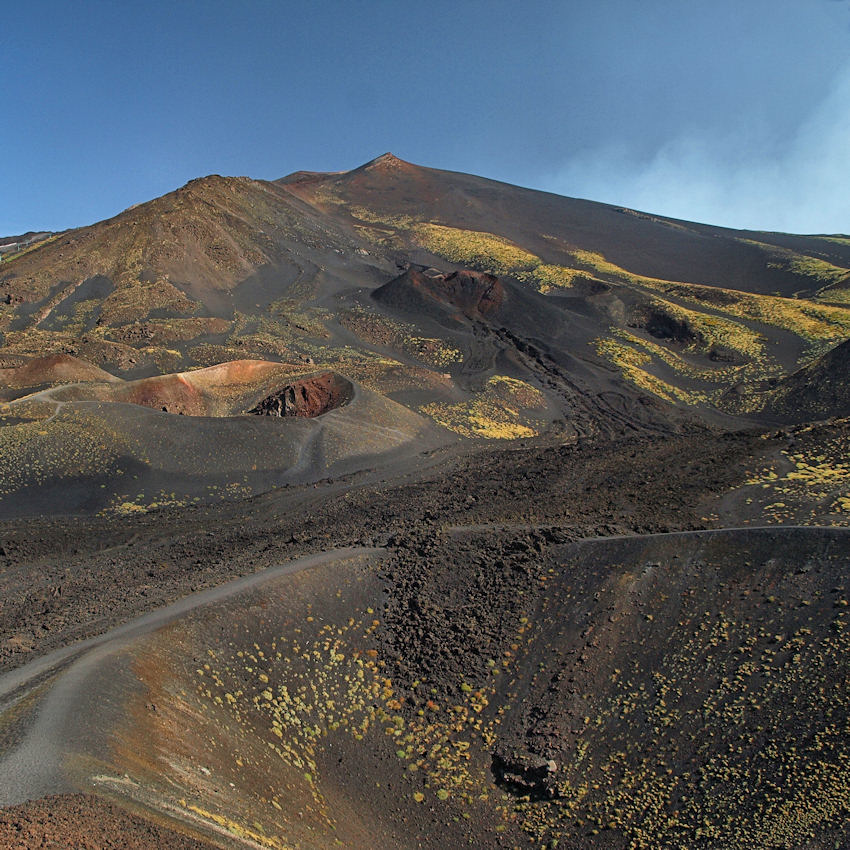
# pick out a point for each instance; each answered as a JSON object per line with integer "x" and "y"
{"x": 498, "y": 413}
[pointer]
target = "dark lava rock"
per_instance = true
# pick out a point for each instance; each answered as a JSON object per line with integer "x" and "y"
{"x": 523, "y": 773}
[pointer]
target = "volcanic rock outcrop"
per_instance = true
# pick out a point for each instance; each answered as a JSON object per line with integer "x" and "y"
{"x": 307, "y": 398}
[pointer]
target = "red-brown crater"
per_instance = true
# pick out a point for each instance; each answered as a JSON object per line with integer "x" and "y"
{"x": 307, "y": 397}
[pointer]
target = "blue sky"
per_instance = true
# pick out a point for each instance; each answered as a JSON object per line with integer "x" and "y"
{"x": 735, "y": 113}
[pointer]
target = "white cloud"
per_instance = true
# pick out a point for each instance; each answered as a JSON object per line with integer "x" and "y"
{"x": 739, "y": 178}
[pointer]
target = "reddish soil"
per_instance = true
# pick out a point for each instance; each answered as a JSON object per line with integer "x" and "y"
{"x": 83, "y": 822}
{"x": 171, "y": 393}
{"x": 306, "y": 398}
{"x": 54, "y": 368}
{"x": 216, "y": 390}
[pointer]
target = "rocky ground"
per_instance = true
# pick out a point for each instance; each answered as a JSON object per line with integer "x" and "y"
{"x": 84, "y": 822}
{"x": 531, "y": 414}
{"x": 71, "y": 578}
{"x": 481, "y": 571}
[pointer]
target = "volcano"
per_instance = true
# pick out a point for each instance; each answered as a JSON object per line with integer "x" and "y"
{"x": 406, "y": 508}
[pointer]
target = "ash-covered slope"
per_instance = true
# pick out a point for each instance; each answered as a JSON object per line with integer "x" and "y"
{"x": 437, "y": 655}
{"x": 181, "y": 268}
{"x": 664, "y": 691}
{"x": 388, "y": 189}
{"x": 465, "y": 294}
{"x": 817, "y": 391}
{"x": 226, "y": 431}
{"x": 682, "y": 311}
{"x": 230, "y": 267}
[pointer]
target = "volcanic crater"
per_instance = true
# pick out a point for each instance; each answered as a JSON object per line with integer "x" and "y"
{"x": 307, "y": 397}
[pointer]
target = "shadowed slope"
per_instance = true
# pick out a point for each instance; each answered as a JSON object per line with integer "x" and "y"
{"x": 664, "y": 691}
{"x": 473, "y": 294}
{"x": 817, "y": 391}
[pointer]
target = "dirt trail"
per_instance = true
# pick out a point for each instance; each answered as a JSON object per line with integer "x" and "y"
{"x": 34, "y": 767}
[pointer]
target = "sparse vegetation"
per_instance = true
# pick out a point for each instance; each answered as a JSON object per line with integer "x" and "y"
{"x": 524, "y": 627}
{"x": 483, "y": 251}
{"x": 498, "y": 413}
{"x": 379, "y": 330}
{"x": 633, "y": 362}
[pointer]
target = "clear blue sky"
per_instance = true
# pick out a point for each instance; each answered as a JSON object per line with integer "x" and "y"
{"x": 735, "y": 111}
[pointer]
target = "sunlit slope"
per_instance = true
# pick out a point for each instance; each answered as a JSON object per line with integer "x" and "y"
{"x": 684, "y": 312}
{"x": 396, "y": 200}
{"x": 192, "y": 271}
{"x": 608, "y": 318}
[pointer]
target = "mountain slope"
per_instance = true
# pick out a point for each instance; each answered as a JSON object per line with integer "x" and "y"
{"x": 551, "y": 226}
{"x": 817, "y": 391}
{"x": 494, "y": 311}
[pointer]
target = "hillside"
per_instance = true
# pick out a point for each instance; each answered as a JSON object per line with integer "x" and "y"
{"x": 817, "y": 391}
{"x": 592, "y": 319}
{"x": 404, "y": 508}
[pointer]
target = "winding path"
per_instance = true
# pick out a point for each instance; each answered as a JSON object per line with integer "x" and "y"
{"x": 32, "y": 766}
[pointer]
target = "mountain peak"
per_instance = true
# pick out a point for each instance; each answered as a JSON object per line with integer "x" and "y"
{"x": 388, "y": 162}
{"x": 385, "y": 163}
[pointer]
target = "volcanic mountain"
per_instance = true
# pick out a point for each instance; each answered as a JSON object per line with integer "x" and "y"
{"x": 405, "y": 508}
{"x": 490, "y": 310}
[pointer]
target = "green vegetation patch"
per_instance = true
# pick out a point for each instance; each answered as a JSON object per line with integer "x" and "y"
{"x": 803, "y": 265}
{"x": 492, "y": 253}
{"x": 809, "y": 320}
{"x": 633, "y": 363}
{"x": 476, "y": 249}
